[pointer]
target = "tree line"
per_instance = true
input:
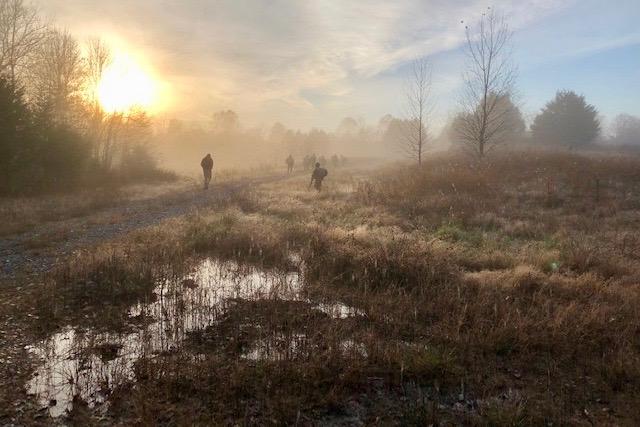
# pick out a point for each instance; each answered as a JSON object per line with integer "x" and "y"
{"x": 54, "y": 133}
{"x": 488, "y": 115}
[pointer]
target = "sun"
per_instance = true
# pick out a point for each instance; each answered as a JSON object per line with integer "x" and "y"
{"x": 125, "y": 85}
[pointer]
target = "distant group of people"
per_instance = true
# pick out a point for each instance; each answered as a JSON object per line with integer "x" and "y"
{"x": 309, "y": 161}
{"x": 318, "y": 174}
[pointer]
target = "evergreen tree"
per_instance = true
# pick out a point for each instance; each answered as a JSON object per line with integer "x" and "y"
{"x": 567, "y": 120}
{"x": 16, "y": 140}
{"x": 35, "y": 154}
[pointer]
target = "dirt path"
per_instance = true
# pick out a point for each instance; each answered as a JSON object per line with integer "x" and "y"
{"x": 37, "y": 250}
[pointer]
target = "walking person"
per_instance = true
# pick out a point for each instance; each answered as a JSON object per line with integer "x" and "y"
{"x": 319, "y": 173}
{"x": 290, "y": 163}
{"x": 207, "y": 167}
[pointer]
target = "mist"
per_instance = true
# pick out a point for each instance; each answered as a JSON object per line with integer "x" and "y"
{"x": 330, "y": 79}
{"x": 418, "y": 212}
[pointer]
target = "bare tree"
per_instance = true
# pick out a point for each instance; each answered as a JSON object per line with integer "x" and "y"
{"x": 489, "y": 80}
{"x": 419, "y": 107}
{"x": 626, "y": 130}
{"x": 57, "y": 74}
{"x": 97, "y": 123}
{"x": 99, "y": 57}
{"x": 21, "y": 31}
{"x": 124, "y": 135}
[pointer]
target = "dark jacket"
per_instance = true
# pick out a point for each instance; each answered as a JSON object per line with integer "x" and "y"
{"x": 207, "y": 163}
{"x": 319, "y": 174}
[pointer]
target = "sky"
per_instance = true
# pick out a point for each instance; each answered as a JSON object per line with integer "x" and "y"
{"x": 309, "y": 63}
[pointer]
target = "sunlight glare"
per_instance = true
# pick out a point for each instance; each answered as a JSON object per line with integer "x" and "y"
{"x": 125, "y": 86}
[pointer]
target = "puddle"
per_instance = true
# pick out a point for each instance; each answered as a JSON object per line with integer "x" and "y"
{"x": 71, "y": 368}
{"x": 296, "y": 346}
{"x": 339, "y": 310}
{"x": 87, "y": 365}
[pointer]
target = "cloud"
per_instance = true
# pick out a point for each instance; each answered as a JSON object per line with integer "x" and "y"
{"x": 252, "y": 55}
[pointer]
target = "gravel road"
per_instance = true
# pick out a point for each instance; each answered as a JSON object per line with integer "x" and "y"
{"x": 23, "y": 253}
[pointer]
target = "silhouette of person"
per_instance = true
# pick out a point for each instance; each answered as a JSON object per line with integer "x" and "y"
{"x": 319, "y": 173}
{"x": 207, "y": 167}
{"x": 290, "y": 163}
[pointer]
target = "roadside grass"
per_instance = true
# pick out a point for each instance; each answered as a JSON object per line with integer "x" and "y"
{"x": 22, "y": 214}
{"x": 95, "y": 289}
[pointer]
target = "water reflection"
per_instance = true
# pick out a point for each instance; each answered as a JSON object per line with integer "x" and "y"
{"x": 86, "y": 365}
{"x": 280, "y": 347}
{"x": 75, "y": 366}
{"x": 338, "y": 310}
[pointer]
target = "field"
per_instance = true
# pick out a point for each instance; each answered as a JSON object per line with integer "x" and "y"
{"x": 505, "y": 292}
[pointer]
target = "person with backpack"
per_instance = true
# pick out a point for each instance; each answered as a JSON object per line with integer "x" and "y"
{"x": 319, "y": 173}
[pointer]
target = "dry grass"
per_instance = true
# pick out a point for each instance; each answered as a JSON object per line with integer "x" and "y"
{"x": 21, "y": 214}
{"x": 495, "y": 294}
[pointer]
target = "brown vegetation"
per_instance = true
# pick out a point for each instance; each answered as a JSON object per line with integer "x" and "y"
{"x": 493, "y": 293}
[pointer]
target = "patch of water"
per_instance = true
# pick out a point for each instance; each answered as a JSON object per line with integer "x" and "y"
{"x": 339, "y": 310}
{"x": 87, "y": 365}
{"x": 281, "y": 347}
{"x": 74, "y": 365}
